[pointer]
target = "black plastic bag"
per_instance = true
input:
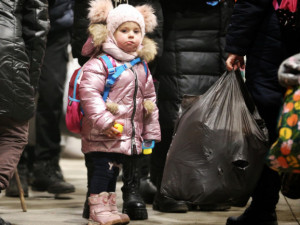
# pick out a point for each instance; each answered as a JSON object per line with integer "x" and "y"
{"x": 219, "y": 146}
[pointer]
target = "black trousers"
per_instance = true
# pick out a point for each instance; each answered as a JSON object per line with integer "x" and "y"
{"x": 50, "y": 100}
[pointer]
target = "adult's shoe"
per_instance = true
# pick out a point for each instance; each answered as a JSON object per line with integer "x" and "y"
{"x": 164, "y": 204}
{"x": 2, "y": 222}
{"x": 48, "y": 177}
{"x": 254, "y": 217}
{"x": 12, "y": 190}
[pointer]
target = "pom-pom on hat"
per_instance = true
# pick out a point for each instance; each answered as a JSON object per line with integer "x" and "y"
{"x": 102, "y": 11}
{"x": 105, "y": 19}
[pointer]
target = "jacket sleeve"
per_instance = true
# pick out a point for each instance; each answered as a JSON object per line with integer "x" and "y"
{"x": 157, "y": 36}
{"x": 80, "y": 29}
{"x": 35, "y": 25}
{"x": 90, "y": 89}
{"x": 245, "y": 22}
{"x": 151, "y": 128}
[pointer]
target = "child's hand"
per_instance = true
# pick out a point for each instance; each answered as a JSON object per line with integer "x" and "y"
{"x": 114, "y": 132}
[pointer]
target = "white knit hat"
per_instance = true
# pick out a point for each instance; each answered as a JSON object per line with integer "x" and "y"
{"x": 124, "y": 13}
{"x": 105, "y": 19}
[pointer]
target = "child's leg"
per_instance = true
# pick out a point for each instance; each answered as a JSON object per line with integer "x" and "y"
{"x": 90, "y": 170}
{"x": 99, "y": 200}
{"x": 133, "y": 204}
{"x": 103, "y": 174}
{"x": 113, "y": 183}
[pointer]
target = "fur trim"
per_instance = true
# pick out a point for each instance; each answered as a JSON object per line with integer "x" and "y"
{"x": 149, "y": 50}
{"x": 149, "y": 106}
{"x": 99, "y": 10}
{"x": 149, "y": 17}
{"x": 112, "y": 107}
{"x": 99, "y": 34}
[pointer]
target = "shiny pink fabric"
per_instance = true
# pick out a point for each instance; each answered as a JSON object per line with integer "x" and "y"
{"x": 129, "y": 92}
{"x": 73, "y": 117}
{"x": 290, "y": 5}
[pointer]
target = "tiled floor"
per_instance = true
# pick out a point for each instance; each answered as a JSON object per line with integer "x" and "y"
{"x": 44, "y": 209}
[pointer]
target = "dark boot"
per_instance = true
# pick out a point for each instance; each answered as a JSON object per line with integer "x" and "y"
{"x": 264, "y": 200}
{"x": 133, "y": 204}
{"x": 48, "y": 177}
{"x": 12, "y": 190}
{"x": 2, "y": 222}
{"x": 164, "y": 204}
{"x": 147, "y": 188}
{"x": 254, "y": 217}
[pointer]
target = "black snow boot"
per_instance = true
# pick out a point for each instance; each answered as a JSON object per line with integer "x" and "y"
{"x": 147, "y": 188}
{"x": 164, "y": 204}
{"x": 2, "y": 222}
{"x": 264, "y": 200}
{"x": 254, "y": 217}
{"x": 133, "y": 204}
{"x": 48, "y": 177}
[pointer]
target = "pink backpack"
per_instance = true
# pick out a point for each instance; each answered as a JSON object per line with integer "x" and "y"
{"x": 75, "y": 113}
{"x": 287, "y": 13}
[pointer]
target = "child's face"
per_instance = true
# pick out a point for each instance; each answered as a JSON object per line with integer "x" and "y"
{"x": 128, "y": 36}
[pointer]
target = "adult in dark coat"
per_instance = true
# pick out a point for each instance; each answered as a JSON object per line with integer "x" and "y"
{"x": 193, "y": 59}
{"x": 24, "y": 26}
{"x": 131, "y": 165}
{"x": 47, "y": 174}
{"x": 255, "y": 32}
{"x": 44, "y": 153}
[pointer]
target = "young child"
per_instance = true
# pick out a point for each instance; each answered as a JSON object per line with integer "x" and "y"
{"x": 119, "y": 33}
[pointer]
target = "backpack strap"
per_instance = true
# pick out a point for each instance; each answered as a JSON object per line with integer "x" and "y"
{"x": 115, "y": 72}
{"x": 73, "y": 98}
{"x": 145, "y": 67}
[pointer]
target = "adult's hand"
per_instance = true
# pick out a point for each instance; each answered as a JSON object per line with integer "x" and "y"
{"x": 234, "y": 62}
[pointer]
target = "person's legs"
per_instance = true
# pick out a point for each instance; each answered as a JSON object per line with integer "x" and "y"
{"x": 50, "y": 97}
{"x": 111, "y": 185}
{"x": 102, "y": 199}
{"x": 90, "y": 170}
{"x": 147, "y": 189}
{"x": 264, "y": 200}
{"x": 105, "y": 173}
{"x": 158, "y": 160}
{"x": 13, "y": 138}
{"x": 266, "y": 193}
{"x": 48, "y": 114}
{"x": 133, "y": 204}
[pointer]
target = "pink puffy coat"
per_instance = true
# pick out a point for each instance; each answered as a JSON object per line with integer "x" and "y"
{"x": 129, "y": 92}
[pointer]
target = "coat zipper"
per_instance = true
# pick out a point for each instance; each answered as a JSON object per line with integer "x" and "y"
{"x": 133, "y": 144}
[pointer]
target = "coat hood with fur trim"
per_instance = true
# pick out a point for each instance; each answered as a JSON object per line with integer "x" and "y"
{"x": 99, "y": 12}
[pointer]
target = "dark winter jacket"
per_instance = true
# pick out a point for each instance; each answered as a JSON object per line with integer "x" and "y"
{"x": 61, "y": 15}
{"x": 79, "y": 30}
{"x": 24, "y": 26}
{"x": 254, "y": 31}
{"x": 193, "y": 55}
